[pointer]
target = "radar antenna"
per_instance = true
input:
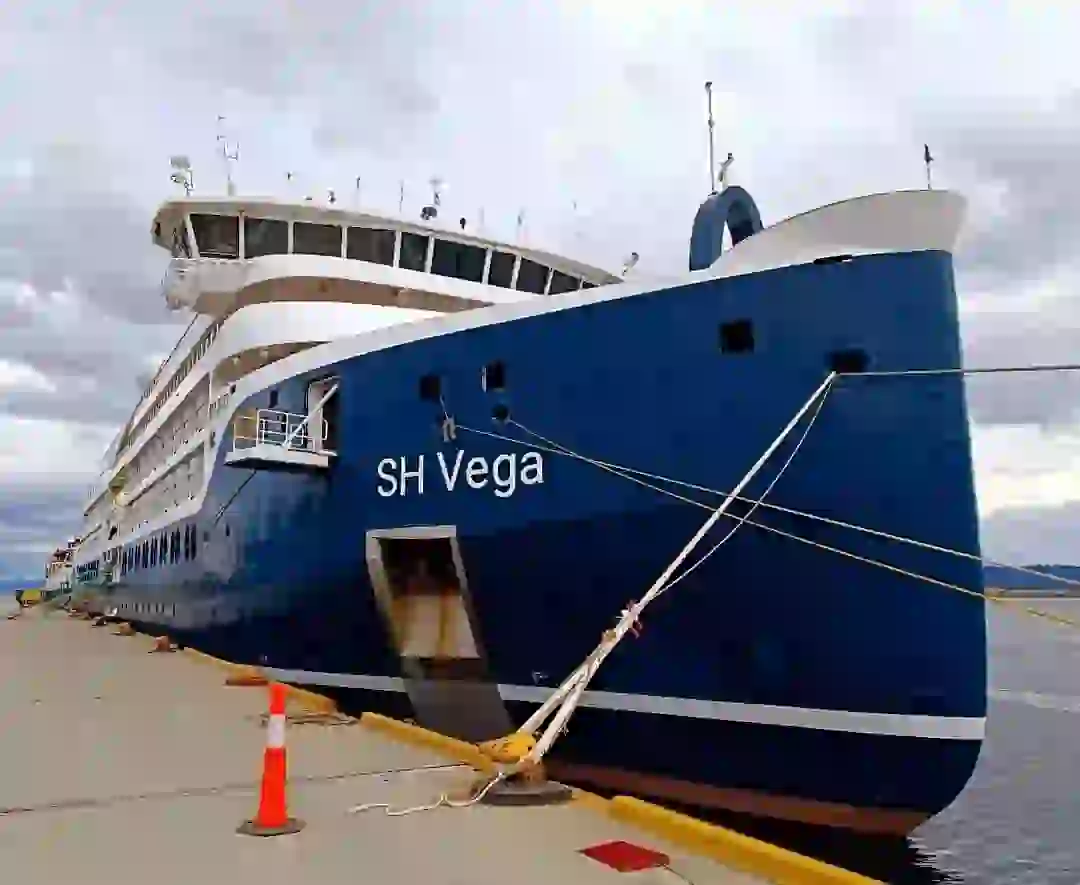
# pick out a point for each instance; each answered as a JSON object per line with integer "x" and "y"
{"x": 181, "y": 173}
{"x": 227, "y": 157}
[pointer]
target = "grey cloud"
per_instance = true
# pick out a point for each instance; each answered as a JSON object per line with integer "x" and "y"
{"x": 1050, "y": 336}
{"x": 70, "y": 223}
{"x": 35, "y": 518}
{"x": 93, "y": 359}
{"x": 1028, "y": 159}
{"x": 1033, "y": 534}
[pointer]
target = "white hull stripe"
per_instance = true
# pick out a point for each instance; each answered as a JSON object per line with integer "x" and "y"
{"x": 961, "y": 728}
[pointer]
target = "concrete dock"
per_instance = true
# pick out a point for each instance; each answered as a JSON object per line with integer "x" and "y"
{"x": 121, "y": 766}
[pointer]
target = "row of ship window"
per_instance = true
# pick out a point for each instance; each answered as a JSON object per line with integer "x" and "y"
{"x": 167, "y": 548}
{"x": 218, "y": 236}
{"x": 189, "y": 363}
{"x": 88, "y": 570}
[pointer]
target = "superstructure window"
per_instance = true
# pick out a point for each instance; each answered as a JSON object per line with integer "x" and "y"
{"x": 562, "y": 282}
{"x": 501, "y": 271}
{"x": 265, "y": 236}
{"x": 458, "y": 260}
{"x": 316, "y": 239}
{"x": 187, "y": 542}
{"x": 413, "y": 251}
{"x": 366, "y": 244}
{"x": 532, "y": 277}
{"x": 217, "y": 236}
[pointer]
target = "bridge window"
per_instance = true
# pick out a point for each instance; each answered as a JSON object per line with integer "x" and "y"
{"x": 458, "y": 260}
{"x": 413, "y": 251}
{"x": 585, "y": 284}
{"x": 501, "y": 272}
{"x": 532, "y": 277}
{"x": 265, "y": 236}
{"x": 217, "y": 236}
{"x": 316, "y": 239}
{"x": 365, "y": 244}
{"x": 561, "y": 282}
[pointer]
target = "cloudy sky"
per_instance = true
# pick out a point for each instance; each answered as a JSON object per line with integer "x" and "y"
{"x": 542, "y": 106}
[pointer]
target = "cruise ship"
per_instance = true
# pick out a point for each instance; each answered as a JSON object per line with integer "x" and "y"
{"x": 375, "y": 462}
{"x": 58, "y": 570}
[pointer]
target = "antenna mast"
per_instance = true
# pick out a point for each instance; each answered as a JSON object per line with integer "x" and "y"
{"x": 227, "y": 158}
{"x": 712, "y": 148}
{"x": 181, "y": 173}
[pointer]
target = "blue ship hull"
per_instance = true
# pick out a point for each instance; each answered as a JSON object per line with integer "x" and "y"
{"x": 765, "y": 628}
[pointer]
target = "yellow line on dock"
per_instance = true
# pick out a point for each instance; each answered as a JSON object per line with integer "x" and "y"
{"x": 749, "y": 855}
{"x": 741, "y": 852}
{"x": 310, "y": 700}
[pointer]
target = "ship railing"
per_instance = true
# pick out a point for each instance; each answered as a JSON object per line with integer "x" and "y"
{"x": 272, "y": 427}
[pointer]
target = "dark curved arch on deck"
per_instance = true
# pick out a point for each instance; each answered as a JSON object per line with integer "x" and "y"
{"x": 733, "y": 208}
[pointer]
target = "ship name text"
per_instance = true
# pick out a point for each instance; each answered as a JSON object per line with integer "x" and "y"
{"x": 503, "y": 475}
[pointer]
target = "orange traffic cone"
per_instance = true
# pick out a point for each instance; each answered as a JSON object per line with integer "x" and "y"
{"x": 273, "y": 818}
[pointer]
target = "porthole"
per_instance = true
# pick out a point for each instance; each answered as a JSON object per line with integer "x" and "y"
{"x": 849, "y": 362}
{"x": 493, "y": 376}
{"x": 430, "y": 388}
{"x": 737, "y": 337}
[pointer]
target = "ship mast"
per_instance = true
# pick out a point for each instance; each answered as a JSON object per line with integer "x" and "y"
{"x": 712, "y": 147}
{"x": 227, "y": 158}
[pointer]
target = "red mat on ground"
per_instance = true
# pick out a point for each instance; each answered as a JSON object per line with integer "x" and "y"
{"x": 626, "y": 857}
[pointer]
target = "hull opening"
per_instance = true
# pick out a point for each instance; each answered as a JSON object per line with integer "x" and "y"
{"x": 420, "y": 585}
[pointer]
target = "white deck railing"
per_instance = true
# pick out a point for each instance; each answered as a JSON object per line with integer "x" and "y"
{"x": 271, "y": 427}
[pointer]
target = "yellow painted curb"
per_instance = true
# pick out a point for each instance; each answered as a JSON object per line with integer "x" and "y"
{"x": 770, "y": 862}
{"x": 591, "y": 800}
{"x": 310, "y": 700}
{"x": 452, "y": 748}
{"x": 317, "y": 703}
{"x": 228, "y": 666}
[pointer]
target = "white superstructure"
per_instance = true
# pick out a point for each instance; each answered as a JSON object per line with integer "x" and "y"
{"x": 263, "y": 279}
{"x": 59, "y": 568}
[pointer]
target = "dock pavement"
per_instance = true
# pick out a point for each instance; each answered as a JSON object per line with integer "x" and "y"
{"x": 122, "y": 766}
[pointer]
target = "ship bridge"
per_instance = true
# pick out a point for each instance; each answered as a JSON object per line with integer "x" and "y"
{"x": 230, "y": 252}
